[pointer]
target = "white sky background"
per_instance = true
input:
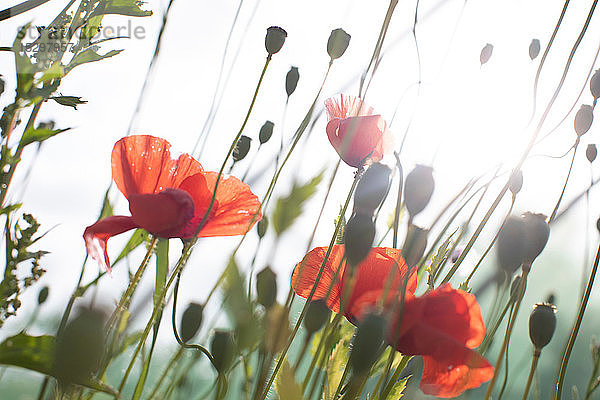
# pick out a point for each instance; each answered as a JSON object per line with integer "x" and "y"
{"x": 466, "y": 119}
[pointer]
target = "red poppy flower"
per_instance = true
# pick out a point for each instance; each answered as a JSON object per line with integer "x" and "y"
{"x": 371, "y": 276}
{"x": 355, "y": 132}
{"x": 169, "y": 197}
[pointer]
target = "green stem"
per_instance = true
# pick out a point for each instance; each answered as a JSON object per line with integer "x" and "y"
{"x": 555, "y": 210}
{"x": 534, "y": 362}
{"x": 173, "y": 360}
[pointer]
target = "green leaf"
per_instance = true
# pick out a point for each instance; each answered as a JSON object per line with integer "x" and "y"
{"x": 54, "y": 72}
{"x": 69, "y": 101}
{"x": 87, "y": 56}
{"x": 121, "y": 7}
{"x": 397, "y": 390}
{"x": 239, "y": 307}
{"x": 438, "y": 260}
{"x": 32, "y": 135}
{"x": 36, "y": 353}
{"x": 24, "y": 68}
{"x": 162, "y": 268}
{"x": 138, "y": 237}
{"x": 289, "y": 208}
{"x": 335, "y": 368}
{"x": 287, "y": 388}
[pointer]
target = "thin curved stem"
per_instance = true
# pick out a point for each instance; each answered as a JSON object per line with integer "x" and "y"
{"x": 562, "y": 193}
{"x": 534, "y": 362}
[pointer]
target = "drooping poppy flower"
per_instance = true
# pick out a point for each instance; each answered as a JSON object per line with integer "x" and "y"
{"x": 169, "y": 197}
{"x": 355, "y": 132}
{"x": 443, "y": 326}
{"x": 370, "y": 277}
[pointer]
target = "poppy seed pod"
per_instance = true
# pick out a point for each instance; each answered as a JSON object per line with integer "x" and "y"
{"x": 534, "y": 48}
{"x": 418, "y": 189}
{"x": 338, "y": 43}
{"x": 317, "y": 314}
{"x": 542, "y": 323}
{"x": 79, "y": 347}
{"x": 598, "y": 224}
{"x": 191, "y": 321}
{"x": 366, "y": 343}
{"x": 372, "y": 189}
{"x": 261, "y": 227}
{"x": 595, "y": 84}
{"x": 291, "y": 80}
{"x": 583, "y": 119}
{"x": 358, "y": 238}
{"x": 242, "y": 147}
{"x": 515, "y": 183}
{"x": 537, "y": 232}
{"x": 222, "y": 348}
{"x": 414, "y": 245}
{"x": 266, "y": 131}
{"x": 591, "y": 152}
{"x": 43, "y": 295}
{"x": 266, "y": 287}
{"x": 275, "y": 39}
{"x": 510, "y": 246}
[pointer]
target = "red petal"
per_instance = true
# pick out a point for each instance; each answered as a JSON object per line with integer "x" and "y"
{"x": 450, "y": 380}
{"x": 163, "y": 214}
{"x": 235, "y": 211}
{"x": 358, "y": 138}
{"x": 306, "y": 272}
{"x": 143, "y": 164}
{"x": 346, "y": 106}
{"x": 97, "y": 235}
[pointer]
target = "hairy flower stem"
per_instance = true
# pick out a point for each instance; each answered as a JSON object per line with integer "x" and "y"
{"x": 506, "y": 366}
{"x": 534, "y": 362}
{"x": 169, "y": 367}
{"x": 555, "y": 210}
{"x": 573, "y": 336}
{"x": 511, "y": 324}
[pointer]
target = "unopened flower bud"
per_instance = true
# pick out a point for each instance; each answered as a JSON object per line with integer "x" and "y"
{"x": 515, "y": 183}
{"x": 191, "y": 321}
{"x": 242, "y": 147}
{"x": 591, "y": 152}
{"x": 455, "y": 254}
{"x": 486, "y": 53}
{"x": 598, "y": 225}
{"x": 338, "y": 43}
{"x": 537, "y": 232}
{"x": 418, "y": 189}
{"x": 275, "y": 39}
{"x": 261, "y": 227}
{"x": 534, "y": 48}
{"x": 291, "y": 80}
{"x": 510, "y": 246}
{"x": 414, "y": 245}
{"x": 595, "y": 84}
{"x": 266, "y": 287}
{"x": 367, "y": 343}
{"x": 317, "y": 314}
{"x": 79, "y": 347}
{"x": 372, "y": 189}
{"x": 583, "y": 119}
{"x": 43, "y": 295}
{"x": 266, "y": 131}
{"x": 542, "y": 323}
{"x": 222, "y": 348}
{"x": 358, "y": 238}
{"x": 515, "y": 286}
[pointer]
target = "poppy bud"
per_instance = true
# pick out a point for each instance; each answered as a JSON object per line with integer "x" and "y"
{"x": 266, "y": 287}
{"x": 358, "y": 238}
{"x": 291, "y": 80}
{"x": 583, "y": 119}
{"x": 265, "y": 132}
{"x": 514, "y": 288}
{"x": 191, "y": 321}
{"x": 595, "y": 84}
{"x": 511, "y": 244}
{"x": 261, "y": 227}
{"x": 550, "y": 299}
{"x": 414, "y": 245}
{"x": 317, "y": 314}
{"x": 372, "y": 189}
{"x": 366, "y": 343}
{"x": 455, "y": 254}
{"x": 534, "y": 48}
{"x": 222, "y": 348}
{"x": 275, "y": 39}
{"x": 598, "y": 224}
{"x": 591, "y": 152}
{"x": 43, "y": 295}
{"x": 542, "y": 322}
{"x": 338, "y": 43}
{"x": 79, "y": 347}
{"x": 242, "y": 147}
{"x": 515, "y": 183}
{"x": 486, "y": 53}
{"x": 536, "y": 235}
{"x": 1, "y": 85}
{"x": 418, "y": 189}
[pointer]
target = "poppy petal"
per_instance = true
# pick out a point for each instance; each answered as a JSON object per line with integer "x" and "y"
{"x": 450, "y": 380}
{"x": 306, "y": 271}
{"x": 346, "y": 106}
{"x": 143, "y": 164}
{"x": 236, "y": 208}
{"x": 163, "y": 214}
{"x": 97, "y": 235}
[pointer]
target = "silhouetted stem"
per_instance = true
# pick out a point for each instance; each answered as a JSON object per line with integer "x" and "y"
{"x": 534, "y": 362}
